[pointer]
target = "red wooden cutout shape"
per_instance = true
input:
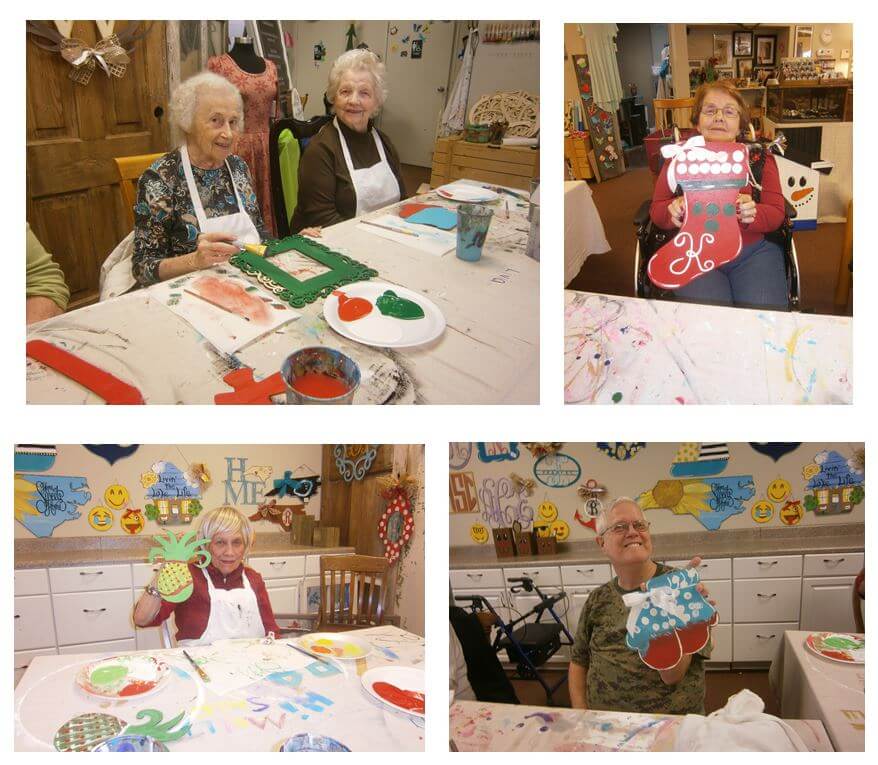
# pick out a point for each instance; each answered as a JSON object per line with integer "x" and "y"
{"x": 247, "y": 390}
{"x": 109, "y": 387}
{"x": 664, "y": 652}
{"x": 411, "y": 208}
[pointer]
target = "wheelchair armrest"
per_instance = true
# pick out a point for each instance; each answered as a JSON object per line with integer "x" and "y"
{"x": 642, "y": 215}
{"x": 789, "y": 210}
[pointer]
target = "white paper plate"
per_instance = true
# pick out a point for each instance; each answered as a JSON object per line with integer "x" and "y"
{"x": 405, "y": 678}
{"x": 463, "y": 192}
{"x": 335, "y": 645}
{"x": 385, "y": 331}
{"x": 122, "y": 677}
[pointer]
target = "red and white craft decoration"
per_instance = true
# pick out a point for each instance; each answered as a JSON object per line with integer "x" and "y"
{"x": 396, "y": 526}
{"x": 711, "y": 175}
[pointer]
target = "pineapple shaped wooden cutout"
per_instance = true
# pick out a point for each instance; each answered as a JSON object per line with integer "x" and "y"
{"x": 174, "y": 580}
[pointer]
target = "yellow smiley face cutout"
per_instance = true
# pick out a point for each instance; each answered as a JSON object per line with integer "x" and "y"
{"x": 791, "y": 513}
{"x": 547, "y": 511}
{"x": 100, "y": 519}
{"x": 116, "y": 496}
{"x": 778, "y": 490}
{"x": 762, "y": 511}
{"x": 560, "y": 530}
{"x": 479, "y": 533}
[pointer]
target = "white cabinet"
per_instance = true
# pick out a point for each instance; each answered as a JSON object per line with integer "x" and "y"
{"x": 721, "y": 593}
{"x": 85, "y": 578}
{"x": 710, "y": 568}
{"x": 482, "y": 577}
{"x": 834, "y": 564}
{"x": 142, "y": 573}
{"x": 283, "y": 594}
{"x": 722, "y": 643}
{"x": 279, "y": 567}
{"x": 576, "y": 602}
{"x": 586, "y": 573}
{"x": 108, "y": 647}
{"x": 767, "y": 600}
{"x": 22, "y": 660}
{"x": 768, "y": 566}
{"x": 30, "y": 581}
{"x": 93, "y": 616}
{"x": 32, "y": 618}
{"x": 541, "y": 575}
{"x": 827, "y": 604}
{"x": 312, "y": 563}
{"x": 759, "y": 642}
{"x": 147, "y": 638}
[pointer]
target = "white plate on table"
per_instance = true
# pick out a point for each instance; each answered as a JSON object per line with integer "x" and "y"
{"x": 334, "y": 645}
{"x": 381, "y": 331}
{"x": 463, "y": 192}
{"x": 404, "y": 678}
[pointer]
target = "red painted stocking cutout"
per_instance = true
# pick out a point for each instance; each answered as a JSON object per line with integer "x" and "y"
{"x": 664, "y": 652}
{"x": 711, "y": 175}
{"x": 694, "y": 637}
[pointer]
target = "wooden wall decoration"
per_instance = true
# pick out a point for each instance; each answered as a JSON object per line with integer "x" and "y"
{"x": 599, "y": 123}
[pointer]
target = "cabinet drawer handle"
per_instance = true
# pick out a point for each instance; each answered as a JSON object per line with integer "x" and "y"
{"x": 765, "y": 637}
{"x": 91, "y": 573}
{"x": 766, "y": 563}
{"x": 18, "y": 616}
{"x": 277, "y": 563}
{"x": 760, "y": 595}
{"x": 93, "y": 610}
{"x": 474, "y": 576}
{"x": 23, "y": 666}
{"x": 833, "y": 560}
{"x": 585, "y": 571}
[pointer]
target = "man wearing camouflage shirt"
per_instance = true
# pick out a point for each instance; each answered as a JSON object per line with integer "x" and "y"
{"x": 604, "y": 673}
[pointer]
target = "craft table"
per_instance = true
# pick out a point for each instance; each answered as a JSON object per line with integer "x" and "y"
{"x": 488, "y": 354}
{"x": 823, "y": 689}
{"x": 297, "y": 694}
{"x": 477, "y": 726}
{"x": 634, "y": 351}
{"x": 583, "y": 230}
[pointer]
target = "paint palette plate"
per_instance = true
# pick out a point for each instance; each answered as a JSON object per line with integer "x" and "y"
{"x": 392, "y": 684}
{"x": 838, "y": 646}
{"x": 382, "y": 331}
{"x": 334, "y": 645}
{"x": 464, "y": 192}
{"x": 122, "y": 677}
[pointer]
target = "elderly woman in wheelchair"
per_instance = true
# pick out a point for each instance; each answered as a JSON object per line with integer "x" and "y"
{"x": 763, "y": 274}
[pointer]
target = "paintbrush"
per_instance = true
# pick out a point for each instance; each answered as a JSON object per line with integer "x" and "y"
{"x": 201, "y": 673}
{"x": 310, "y": 656}
{"x": 501, "y": 190}
{"x": 216, "y": 305}
{"x": 389, "y": 228}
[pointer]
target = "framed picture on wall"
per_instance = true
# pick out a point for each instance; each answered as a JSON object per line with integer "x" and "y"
{"x": 743, "y": 68}
{"x": 722, "y": 49}
{"x": 743, "y": 43}
{"x": 724, "y": 73}
{"x": 765, "y": 49}
{"x": 696, "y": 63}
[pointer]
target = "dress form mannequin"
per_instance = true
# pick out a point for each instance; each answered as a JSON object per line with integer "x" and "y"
{"x": 244, "y": 55}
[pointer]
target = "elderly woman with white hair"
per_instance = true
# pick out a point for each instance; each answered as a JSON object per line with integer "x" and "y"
{"x": 195, "y": 205}
{"x": 228, "y": 599}
{"x": 350, "y": 167}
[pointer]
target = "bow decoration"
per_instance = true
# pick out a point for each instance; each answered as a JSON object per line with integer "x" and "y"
{"x": 664, "y": 598}
{"x": 590, "y": 489}
{"x": 542, "y": 448}
{"x": 525, "y": 485}
{"x": 673, "y": 149}
{"x": 107, "y": 52}
{"x": 404, "y": 483}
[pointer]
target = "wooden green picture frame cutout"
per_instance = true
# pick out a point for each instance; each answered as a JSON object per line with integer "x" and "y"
{"x": 342, "y": 270}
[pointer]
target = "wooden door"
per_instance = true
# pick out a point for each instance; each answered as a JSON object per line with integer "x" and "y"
{"x": 73, "y": 133}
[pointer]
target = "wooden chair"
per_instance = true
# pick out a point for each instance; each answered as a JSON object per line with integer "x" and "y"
{"x": 673, "y": 111}
{"x": 353, "y": 592}
{"x": 130, "y": 169}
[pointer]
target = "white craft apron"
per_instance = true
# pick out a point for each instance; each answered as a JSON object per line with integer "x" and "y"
{"x": 116, "y": 276}
{"x": 375, "y": 186}
{"x": 233, "y": 614}
{"x": 238, "y": 224}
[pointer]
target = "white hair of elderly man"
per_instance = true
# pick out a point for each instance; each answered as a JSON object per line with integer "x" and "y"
{"x": 603, "y": 520}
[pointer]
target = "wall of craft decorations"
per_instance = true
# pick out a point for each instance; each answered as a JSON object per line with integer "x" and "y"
{"x": 122, "y": 490}
{"x": 683, "y": 487}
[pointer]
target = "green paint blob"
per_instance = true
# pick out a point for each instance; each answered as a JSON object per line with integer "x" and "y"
{"x": 390, "y": 304}
{"x": 713, "y": 209}
{"x": 698, "y": 208}
{"x": 728, "y": 209}
{"x": 617, "y": 397}
{"x": 108, "y": 675}
{"x": 711, "y": 225}
{"x": 842, "y": 643}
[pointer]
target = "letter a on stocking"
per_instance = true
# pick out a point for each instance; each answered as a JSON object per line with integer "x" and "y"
{"x": 711, "y": 175}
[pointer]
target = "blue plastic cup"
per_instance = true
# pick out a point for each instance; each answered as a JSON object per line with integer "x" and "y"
{"x": 472, "y": 230}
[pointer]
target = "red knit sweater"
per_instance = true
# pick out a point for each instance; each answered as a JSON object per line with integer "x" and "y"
{"x": 191, "y": 615}
{"x": 770, "y": 209}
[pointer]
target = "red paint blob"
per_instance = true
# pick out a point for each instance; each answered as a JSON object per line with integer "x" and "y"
{"x": 351, "y": 309}
{"x": 319, "y": 385}
{"x": 411, "y": 700}
{"x": 136, "y": 687}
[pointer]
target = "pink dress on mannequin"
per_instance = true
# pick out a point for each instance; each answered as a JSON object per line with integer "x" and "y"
{"x": 259, "y": 92}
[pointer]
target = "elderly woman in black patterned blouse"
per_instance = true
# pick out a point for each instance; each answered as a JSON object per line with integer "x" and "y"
{"x": 195, "y": 205}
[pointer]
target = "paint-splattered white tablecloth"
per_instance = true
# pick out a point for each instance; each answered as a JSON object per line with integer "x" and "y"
{"x": 634, "y": 351}
{"x": 488, "y": 354}
{"x": 292, "y": 694}
{"x": 583, "y": 229}
{"x": 481, "y": 727}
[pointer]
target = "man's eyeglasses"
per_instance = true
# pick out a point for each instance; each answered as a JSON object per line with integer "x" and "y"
{"x": 730, "y": 112}
{"x": 618, "y": 529}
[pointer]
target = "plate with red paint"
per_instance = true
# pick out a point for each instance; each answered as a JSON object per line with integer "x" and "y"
{"x": 838, "y": 646}
{"x": 122, "y": 677}
{"x": 403, "y": 688}
{"x": 383, "y": 315}
{"x": 465, "y": 192}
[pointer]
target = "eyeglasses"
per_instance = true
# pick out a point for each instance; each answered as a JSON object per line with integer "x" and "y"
{"x": 618, "y": 529}
{"x": 729, "y": 112}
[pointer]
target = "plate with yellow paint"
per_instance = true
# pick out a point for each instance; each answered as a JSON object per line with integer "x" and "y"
{"x": 334, "y": 645}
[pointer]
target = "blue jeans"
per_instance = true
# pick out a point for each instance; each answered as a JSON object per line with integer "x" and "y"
{"x": 755, "y": 278}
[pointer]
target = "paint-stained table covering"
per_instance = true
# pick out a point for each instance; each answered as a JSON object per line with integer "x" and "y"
{"x": 633, "y": 351}
{"x": 831, "y": 691}
{"x": 299, "y": 695}
{"x": 477, "y": 726}
{"x": 488, "y": 354}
